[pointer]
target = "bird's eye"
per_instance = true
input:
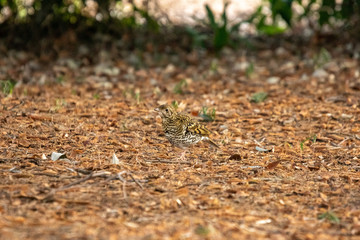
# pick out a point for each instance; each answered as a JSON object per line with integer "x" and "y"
{"x": 166, "y": 110}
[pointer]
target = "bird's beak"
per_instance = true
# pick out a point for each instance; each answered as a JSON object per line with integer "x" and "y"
{"x": 156, "y": 109}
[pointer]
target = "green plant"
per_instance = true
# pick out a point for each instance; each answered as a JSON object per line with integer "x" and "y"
{"x": 249, "y": 70}
{"x": 180, "y": 86}
{"x": 133, "y": 93}
{"x": 198, "y": 38}
{"x": 321, "y": 11}
{"x": 258, "y": 97}
{"x": 207, "y": 114}
{"x": 7, "y": 86}
{"x": 96, "y": 96}
{"x": 220, "y": 29}
{"x": 137, "y": 96}
{"x": 282, "y": 8}
{"x": 202, "y": 231}
{"x": 259, "y": 19}
{"x": 330, "y": 216}
{"x": 60, "y": 79}
{"x": 175, "y": 104}
{"x": 311, "y": 138}
{"x": 322, "y": 58}
{"x": 221, "y": 34}
{"x": 214, "y": 66}
{"x": 59, "y": 103}
{"x": 151, "y": 22}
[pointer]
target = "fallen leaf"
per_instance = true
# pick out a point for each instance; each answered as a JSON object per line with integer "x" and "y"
{"x": 114, "y": 159}
{"x": 262, "y": 149}
{"x": 56, "y": 156}
{"x": 272, "y": 165}
{"x": 236, "y": 157}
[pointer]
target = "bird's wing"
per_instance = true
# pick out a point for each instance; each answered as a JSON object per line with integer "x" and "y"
{"x": 194, "y": 127}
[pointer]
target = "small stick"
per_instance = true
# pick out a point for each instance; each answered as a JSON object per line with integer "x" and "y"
{"x": 96, "y": 174}
{"x": 167, "y": 161}
{"x": 136, "y": 181}
{"x": 76, "y": 182}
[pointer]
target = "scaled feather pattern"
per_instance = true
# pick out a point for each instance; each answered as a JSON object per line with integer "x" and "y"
{"x": 181, "y": 130}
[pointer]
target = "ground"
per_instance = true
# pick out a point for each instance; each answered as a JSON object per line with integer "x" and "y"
{"x": 287, "y": 167}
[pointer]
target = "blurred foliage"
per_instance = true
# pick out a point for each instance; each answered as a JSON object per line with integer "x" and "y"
{"x": 27, "y": 21}
{"x": 31, "y": 20}
{"x": 322, "y": 58}
{"x": 207, "y": 115}
{"x": 221, "y": 32}
{"x": 258, "y": 97}
{"x": 321, "y": 12}
{"x": 179, "y": 88}
{"x": 7, "y": 86}
{"x": 218, "y": 32}
{"x": 329, "y": 216}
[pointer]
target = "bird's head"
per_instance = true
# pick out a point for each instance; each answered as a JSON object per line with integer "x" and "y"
{"x": 166, "y": 111}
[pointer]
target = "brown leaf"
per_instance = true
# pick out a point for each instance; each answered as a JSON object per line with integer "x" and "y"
{"x": 236, "y": 157}
{"x": 314, "y": 168}
{"x": 39, "y": 117}
{"x": 272, "y": 165}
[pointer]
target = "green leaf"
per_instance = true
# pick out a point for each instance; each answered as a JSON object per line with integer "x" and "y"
{"x": 282, "y": 8}
{"x": 198, "y": 39}
{"x": 255, "y": 15}
{"x": 322, "y": 58}
{"x": 7, "y": 86}
{"x": 207, "y": 114}
{"x": 259, "y": 97}
{"x": 347, "y": 9}
{"x": 221, "y": 38}
{"x": 323, "y": 17}
{"x": 302, "y": 145}
{"x": 202, "y": 231}
{"x": 330, "y": 216}
{"x": 311, "y": 138}
{"x": 329, "y": 3}
{"x": 272, "y": 29}
{"x": 96, "y": 96}
{"x": 175, "y": 104}
{"x": 235, "y": 27}
{"x": 211, "y": 18}
{"x": 152, "y": 24}
{"x": 250, "y": 70}
{"x": 179, "y": 87}
{"x": 223, "y": 16}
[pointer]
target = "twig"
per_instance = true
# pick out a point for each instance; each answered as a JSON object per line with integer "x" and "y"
{"x": 97, "y": 174}
{"x": 53, "y": 191}
{"x": 124, "y": 182}
{"x": 136, "y": 181}
{"x": 340, "y": 143}
{"x": 252, "y": 167}
{"x": 119, "y": 175}
{"x": 167, "y": 161}
{"x": 76, "y": 182}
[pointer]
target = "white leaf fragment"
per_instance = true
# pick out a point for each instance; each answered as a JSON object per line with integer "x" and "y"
{"x": 261, "y": 149}
{"x": 115, "y": 160}
{"x": 55, "y": 156}
{"x": 264, "y": 221}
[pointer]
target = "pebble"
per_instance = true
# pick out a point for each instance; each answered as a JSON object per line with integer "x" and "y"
{"x": 320, "y": 73}
{"x": 273, "y": 80}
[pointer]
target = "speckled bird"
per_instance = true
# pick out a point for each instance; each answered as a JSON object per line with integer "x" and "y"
{"x": 181, "y": 130}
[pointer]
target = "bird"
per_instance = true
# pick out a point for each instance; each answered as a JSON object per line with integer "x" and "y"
{"x": 181, "y": 130}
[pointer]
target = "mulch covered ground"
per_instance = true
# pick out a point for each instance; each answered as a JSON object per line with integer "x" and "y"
{"x": 287, "y": 123}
